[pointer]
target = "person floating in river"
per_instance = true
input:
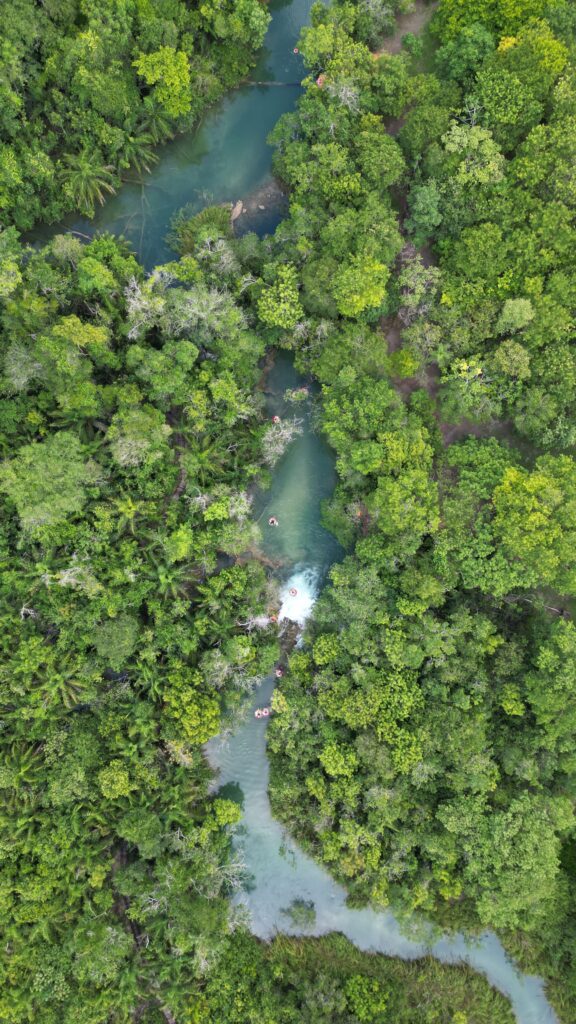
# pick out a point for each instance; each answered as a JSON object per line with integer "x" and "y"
{"x": 258, "y": 713}
{"x": 293, "y": 592}
{"x": 295, "y": 50}
{"x": 275, "y": 419}
{"x": 279, "y": 672}
{"x": 272, "y": 521}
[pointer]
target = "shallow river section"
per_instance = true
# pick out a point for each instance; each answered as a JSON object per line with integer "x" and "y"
{"x": 279, "y": 871}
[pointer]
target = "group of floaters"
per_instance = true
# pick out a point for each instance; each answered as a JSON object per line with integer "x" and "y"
{"x": 321, "y": 78}
{"x": 266, "y": 711}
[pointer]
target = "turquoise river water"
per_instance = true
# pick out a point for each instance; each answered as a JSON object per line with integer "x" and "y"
{"x": 226, "y": 159}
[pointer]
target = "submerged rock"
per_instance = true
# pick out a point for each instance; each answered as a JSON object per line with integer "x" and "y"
{"x": 237, "y": 210}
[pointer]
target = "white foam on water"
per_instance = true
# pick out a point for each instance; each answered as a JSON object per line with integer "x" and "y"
{"x": 297, "y": 606}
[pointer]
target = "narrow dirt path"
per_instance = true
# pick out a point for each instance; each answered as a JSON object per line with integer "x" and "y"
{"x": 392, "y": 327}
{"x": 414, "y": 21}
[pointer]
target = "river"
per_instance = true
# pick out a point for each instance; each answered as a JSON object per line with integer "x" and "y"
{"x": 280, "y": 872}
{"x": 226, "y": 159}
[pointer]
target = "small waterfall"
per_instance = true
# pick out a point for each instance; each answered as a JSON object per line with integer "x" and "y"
{"x": 298, "y": 595}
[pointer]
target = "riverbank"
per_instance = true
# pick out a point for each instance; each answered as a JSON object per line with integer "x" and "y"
{"x": 329, "y": 981}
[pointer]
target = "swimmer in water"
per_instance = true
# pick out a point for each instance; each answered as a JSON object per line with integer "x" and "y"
{"x": 272, "y": 521}
{"x": 293, "y": 592}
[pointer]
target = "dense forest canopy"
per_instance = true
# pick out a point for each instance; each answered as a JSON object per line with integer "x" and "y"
{"x": 423, "y": 739}
{"x": 424, "y": 743}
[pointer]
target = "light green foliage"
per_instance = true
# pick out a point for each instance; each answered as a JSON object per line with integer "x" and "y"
{"x": 521, "y": 518}
{"x": 510, "y": 107}
{"x": 367, "y": 999}
{"x": 114, "y": 781}
{"x": 338, "y": 761}
{"x": 138, "y": 435}
{"x": 226, "y": 812}
{"x": 197, "y": 715}
{"x": 516, "y": 314}
{"x": 47, "y": 481}
{"x": 179, "y": 544}
{"x": 477, "y": 159}
{"x": 502, "y": 16}
{"x": 168, "y": 70}
{"x": 534, "y": 521}
{"x": 278, "y": 305}
{"x": 360, "y": 285}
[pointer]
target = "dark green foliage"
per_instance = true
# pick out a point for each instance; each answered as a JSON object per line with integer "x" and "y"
{"x": 423, "y": 747}
{"x": 191, "y": 231}
{"x": 121, "y": 650}
{"x": 328, "y": 981}
{"x": 88, "y": 89}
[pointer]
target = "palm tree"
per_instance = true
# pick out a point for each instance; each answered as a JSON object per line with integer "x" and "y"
{"x": 86, "y": 180}
{"x": 171, "y": 582}
{"x": 128, "y": 510}
{"x": 137, "y": 152}
{"x": 154, "y": 121}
